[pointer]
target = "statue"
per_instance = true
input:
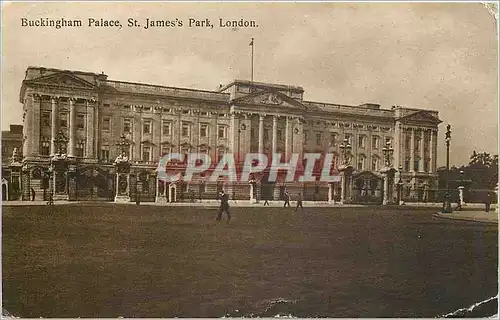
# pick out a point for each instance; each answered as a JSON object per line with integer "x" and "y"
{"x": 16, "y": 157}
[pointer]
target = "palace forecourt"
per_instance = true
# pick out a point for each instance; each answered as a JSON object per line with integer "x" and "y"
{"x": 86, "y": 137}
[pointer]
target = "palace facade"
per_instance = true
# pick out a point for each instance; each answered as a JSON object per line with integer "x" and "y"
{"x": 90, "y": 119}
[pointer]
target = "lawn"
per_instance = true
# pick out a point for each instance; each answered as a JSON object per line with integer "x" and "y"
{"x": 105, "y": 260}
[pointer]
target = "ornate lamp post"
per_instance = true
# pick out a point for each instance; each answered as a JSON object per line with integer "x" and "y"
{"x": 400, "y": 186}
{"x": 122, "y": 166}
{"x": 345, "y": 169}
{"x": 388, "y": 172}
{"x": 447, "y": 201}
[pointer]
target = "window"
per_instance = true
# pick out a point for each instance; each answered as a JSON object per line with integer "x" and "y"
{"x": 45, "y": 150}
{"x": 306, "y": 136}
{"x": 167, "y": 128}
{"x": 417, "y": 145}
{"x": 147, "y": 109}
{"x": 105, "y": 153}
{"x": 426, "y": 165}
{"x": 203, "y": 130}
{"x": 407, "y": 165}
{"x": 106, "y": 124}
{"x": 375, "y": 142}
{"x": 185, "y": 130}
{"x": 279, "y": 134}
{"x": 222, "y": 115}
{"x": 165, "y": 149}
{"x": 220, "y": 154}
{"x": 266, "y": 134}
{"x": 80, "y": 121}
{"x": 333, "y": 139}
{"x": 361, "y": 141}
{"x": 63, "y": 120}
{"x": 407, "y": 142}
{"x": 146, "y": 153}
{"x": 205, "y": 114}
{"x": 127, "y": 126}
{"x": 375, "y": 163}
{"x": 167, "y": 110}
{"x": 127, "y": 107}
{"x": 80, "y": 146}
{"x": 147, "y": 127}
{"x": 349, "y": 138}
{"x": 252, "y": 133}
{"x": 319, "y": 137}
{"x": 185, "y": 111}
{"x": 361, "y": 162}
{"x": 416, "y": 164}
{"x": 221, "y": 132}
{"x": 45, "y": 121}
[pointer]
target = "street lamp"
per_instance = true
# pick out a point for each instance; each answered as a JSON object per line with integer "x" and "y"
{"x": 400, "y": 185}
{"x": 447, "y": 201}
{"x": 345, "y": 148}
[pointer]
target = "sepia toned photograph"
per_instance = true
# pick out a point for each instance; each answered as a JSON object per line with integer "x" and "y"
{"x": 249, "y": 160}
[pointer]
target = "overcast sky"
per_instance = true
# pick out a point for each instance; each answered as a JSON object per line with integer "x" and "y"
{"x": 431, "y": 56}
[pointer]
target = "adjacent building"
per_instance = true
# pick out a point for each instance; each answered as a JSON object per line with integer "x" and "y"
{"x": 92, "y": 119}
{"x": 12, "y": 143}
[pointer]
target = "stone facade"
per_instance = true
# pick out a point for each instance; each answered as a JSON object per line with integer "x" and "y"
{"x": 94, "y": 113}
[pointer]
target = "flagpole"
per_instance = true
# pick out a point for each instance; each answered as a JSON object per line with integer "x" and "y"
{"x": 252, "y": 59}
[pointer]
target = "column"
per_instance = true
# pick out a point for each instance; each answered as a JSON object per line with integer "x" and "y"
{"x": 261, "y": 133}
{"x": 89, "y": 128}
{"x": 275, "y": 133}
{"x": 431, "y": 151}
{"x": 422, "y": 154}
{"x": 72, "y": 127}
{"x": 54, "y": 118}
{"x": 412, "y": 150}
{"x": 343, "y": 189}
{"x": 287, "y": 137}
{"x": 330, "y": 192}
{"x": 233, "y": 132}
{"x": 96, "y": 127}
{"x": 35, "y": 132}
{"x": 386, "y": 189}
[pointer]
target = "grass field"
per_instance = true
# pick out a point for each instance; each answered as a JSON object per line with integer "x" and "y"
{"x": 105, "y": 260}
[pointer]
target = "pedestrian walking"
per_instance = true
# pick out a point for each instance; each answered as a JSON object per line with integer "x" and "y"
{"x": 286, "y": 196}
{"x": 266, "y": 200}
{"x": 299, "y": 202}
{"x": 33, "y": 194}
{"x": 487, "y": 202}
{"x": 224, "y": 206}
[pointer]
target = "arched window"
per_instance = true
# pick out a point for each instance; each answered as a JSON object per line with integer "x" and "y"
{"x": 361, "y": 162}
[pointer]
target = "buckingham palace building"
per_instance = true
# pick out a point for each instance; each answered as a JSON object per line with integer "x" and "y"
{"x": 86, "y": 137}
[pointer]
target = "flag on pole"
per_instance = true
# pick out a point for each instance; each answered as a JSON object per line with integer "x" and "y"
{"x": 251, "y": 43}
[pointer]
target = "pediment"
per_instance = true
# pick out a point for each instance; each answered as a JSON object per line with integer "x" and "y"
{"x": 270, "y": 99}
{"x": 148, "y": 143}
{"x": 62, "y": 79}
{"x": 421, "y": 116}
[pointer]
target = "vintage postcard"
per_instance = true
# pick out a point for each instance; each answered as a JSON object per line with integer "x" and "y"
{"x": 249, "y": 159}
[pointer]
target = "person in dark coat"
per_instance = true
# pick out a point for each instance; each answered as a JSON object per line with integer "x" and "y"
{"x": 224, "y": 206}
{"x": 286, "y": 195}
{"x": 487, "y": 202}
{"x": 299, "y": 202}
{"x": 32, "y": 194}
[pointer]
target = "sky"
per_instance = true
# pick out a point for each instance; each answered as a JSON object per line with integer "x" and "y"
{"x": 436, "y": 56}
